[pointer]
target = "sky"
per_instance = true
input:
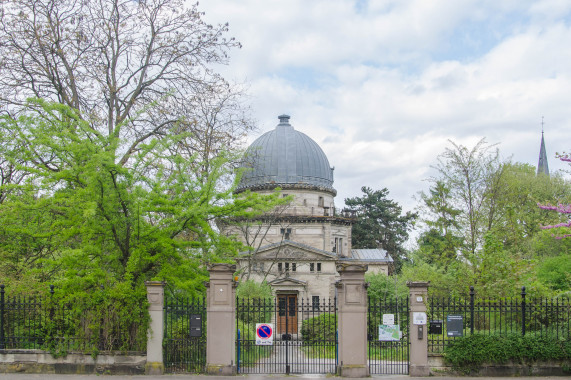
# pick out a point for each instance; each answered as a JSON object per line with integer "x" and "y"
{"x": 382, "y": 86}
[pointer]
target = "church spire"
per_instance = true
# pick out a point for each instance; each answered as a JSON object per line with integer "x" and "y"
{"x": 542, "y": 166}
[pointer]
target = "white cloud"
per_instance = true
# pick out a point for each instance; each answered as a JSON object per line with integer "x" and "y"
{"x": 382, "y": 86}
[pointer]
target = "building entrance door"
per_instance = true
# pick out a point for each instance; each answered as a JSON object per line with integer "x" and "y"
{"x": 287, "y": 314}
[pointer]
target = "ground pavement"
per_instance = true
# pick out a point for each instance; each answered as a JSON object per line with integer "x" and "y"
{"x": 24, "y": 376}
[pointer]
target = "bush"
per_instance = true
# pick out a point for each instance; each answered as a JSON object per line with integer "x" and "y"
{"x": 319, "y": 329}
{"x": 472, "y": 351}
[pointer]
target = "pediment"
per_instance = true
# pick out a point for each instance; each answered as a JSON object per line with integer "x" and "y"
{"x": 292, "y": 251}
{"x": 288, "y": 281}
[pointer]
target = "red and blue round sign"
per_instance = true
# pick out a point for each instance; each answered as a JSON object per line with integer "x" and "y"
{"x": 264, "y": 333}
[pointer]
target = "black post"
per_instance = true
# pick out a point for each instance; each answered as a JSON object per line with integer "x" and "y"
{"x": 51, "y": 303}
{"x": 471, "y": 310}
{"x": 523, "y": 310}
{"x": 286, "y": 335}
{"x": 2, "y": 317}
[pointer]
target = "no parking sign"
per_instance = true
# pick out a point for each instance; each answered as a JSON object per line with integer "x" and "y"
{"x": 264, "y": 334}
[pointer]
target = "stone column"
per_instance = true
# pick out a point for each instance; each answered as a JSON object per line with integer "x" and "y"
{"x": 352, "y": 304}
{"x": 155, "y": 295}
{"x": 221, "y": 320}
{"x": 418, "y": 329}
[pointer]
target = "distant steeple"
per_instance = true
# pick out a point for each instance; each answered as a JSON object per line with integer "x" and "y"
{"x": 542, "y": 166}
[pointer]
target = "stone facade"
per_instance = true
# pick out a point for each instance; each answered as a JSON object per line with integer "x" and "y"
{"x": 296, "y": 247}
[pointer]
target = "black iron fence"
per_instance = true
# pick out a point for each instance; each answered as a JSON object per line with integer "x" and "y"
{"x": 41, "y": 322}
{"x": 184, "y": 344}
{"x": 303, "y": 335}
{"x": 388, "y": 336}
{"x": 450, "y": 318}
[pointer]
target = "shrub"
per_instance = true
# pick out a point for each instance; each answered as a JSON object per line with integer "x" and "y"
{"x": 319, "y": 329}
{"x": 472, "y": 351}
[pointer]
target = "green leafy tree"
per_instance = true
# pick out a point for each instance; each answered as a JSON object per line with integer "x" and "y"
{"x": 441, "y": 243}
{"x": 473, "y": 177}
{"x": 555, "y": 272}
{"x": 380, "y": 223}
{"x": 519, "y": 219}
{"x": 86, "y": 221}
{"x": 382, "y": 286}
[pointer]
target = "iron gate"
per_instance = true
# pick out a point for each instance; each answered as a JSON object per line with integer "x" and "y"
{"x": 304, "y": 335}
{"x": 184, "y": 344}
{"x": 389, "y": 356}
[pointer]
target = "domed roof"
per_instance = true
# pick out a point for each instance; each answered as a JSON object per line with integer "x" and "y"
{"x": 286, "y": 158}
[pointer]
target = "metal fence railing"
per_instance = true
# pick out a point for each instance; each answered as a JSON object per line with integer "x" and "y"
{"x": 42, "y": 322}
{"x": 518, "y": 315}
{"x": 184, "y": 347}
{"x": 304, "y": 335}
{"x": 388, "y": 355}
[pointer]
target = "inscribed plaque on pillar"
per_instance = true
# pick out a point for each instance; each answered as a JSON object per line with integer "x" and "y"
{"x": 419, "y": 318}
{"x": 353, "y": 293}
{"x": 221, "y": 293}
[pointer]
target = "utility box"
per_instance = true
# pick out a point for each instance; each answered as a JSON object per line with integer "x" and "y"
{"x": 435, "y": 327}
{"x": 195, "y": 325}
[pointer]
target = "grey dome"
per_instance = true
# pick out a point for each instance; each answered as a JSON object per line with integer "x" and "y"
{"x": 286, "y": 158}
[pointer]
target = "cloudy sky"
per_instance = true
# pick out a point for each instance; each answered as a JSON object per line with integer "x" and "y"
{"x": 382, "y": 85}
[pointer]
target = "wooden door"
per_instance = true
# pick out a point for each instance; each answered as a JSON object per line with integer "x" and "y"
{"x": 287, "y": 313}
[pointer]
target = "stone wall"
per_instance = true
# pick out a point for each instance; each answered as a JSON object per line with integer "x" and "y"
{"x": 38, "y": 361}
{"x": 438, "y": 367}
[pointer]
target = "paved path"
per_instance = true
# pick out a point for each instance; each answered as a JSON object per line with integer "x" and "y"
{"x": 23, "y": 376}
{"x": 296, "y": 358}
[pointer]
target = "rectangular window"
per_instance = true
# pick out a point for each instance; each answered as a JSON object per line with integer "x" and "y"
{"x": 319, "y": 267}
{"x": 315, "y": 303}
{"x": 320, "y": 202}
{"x": 286, "y": 232}
{"x": 311, "y": 267}
{"x": 287, "y": 267}
{"x": 293, "y": 267}
{"x": 280, "y": 267}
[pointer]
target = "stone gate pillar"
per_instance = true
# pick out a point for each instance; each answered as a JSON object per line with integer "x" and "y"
{"x": 418, "y": 329}
{"x": 352, "y": 304}
{"x": 155, "y": 296}
{"x": 221, "y": 320}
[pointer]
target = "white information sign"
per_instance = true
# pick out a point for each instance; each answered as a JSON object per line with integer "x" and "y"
{"x": 264, "y": 334}
{"x": 388, "y": 319}
{"x": 389, "y": 333}
{"x": 419, "y": 318}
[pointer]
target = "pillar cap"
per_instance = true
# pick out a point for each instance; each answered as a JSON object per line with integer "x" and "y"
{"x": 221, "y": 267}
{"x": 418, "y": 284}
{"x": 155, "y": 283}
{"x": 357, "y": 268}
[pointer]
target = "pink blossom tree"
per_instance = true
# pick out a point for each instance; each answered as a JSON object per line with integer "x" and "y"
{"x": 560, "y": 208}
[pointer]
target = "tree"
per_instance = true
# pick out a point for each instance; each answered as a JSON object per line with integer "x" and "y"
{"x": 474, "y": 177}
{"x": 380, "y": 223}
{"x": 560, "y": 208}
{"x": 520, "y": 219}
{"x": 84, "y": 220}
{"x": 112, "y": 59}
{"x": 441, "y": 243}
